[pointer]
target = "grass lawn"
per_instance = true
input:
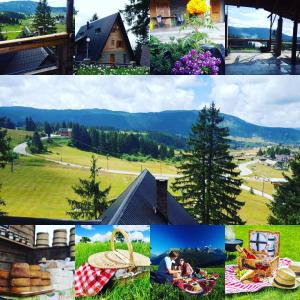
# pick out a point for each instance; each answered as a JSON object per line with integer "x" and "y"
{"x": 261, "y": 170}
{"x": 289, "y": 245}
{"x": 268, "y": 186}
{"x": 107, "y": 70}
{"x": 168, "y": 292}
{"x": 17, "y": 136}
{"x": 68, "y": 154}
{"x": 255, "y": 210}
{"x": 137, "y": 289}
{"x": 38, "y": 188}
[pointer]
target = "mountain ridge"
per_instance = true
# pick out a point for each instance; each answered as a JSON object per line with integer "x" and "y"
{"x": 176, "y": 122}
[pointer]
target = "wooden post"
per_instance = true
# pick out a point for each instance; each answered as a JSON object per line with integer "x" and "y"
{"x": 279, "y": 37}
{"x": 226, "y": 35}
{"x": 295, "y": 41}
{"x": 270, "y": 37}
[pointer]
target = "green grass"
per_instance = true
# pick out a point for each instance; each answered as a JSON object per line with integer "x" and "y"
{"x": 289, "y": 245}
{"x": 38, "y": 188}
{"x": 107, "y": 70}
{"x": 17, "y": 136}
{"x": 266, "y": 171}
{"x": 137, "y": 289}
{"x": 255, "y": 210}
{"x": 59, "y": 150}
{"x": 268, "y": 186}
{"x": 17, "y": 28}
{"x": 168, "y": 292}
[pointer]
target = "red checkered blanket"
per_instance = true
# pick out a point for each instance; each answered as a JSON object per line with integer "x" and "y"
{"x": 89, "y": 281}
{"x": 234, "y": 286}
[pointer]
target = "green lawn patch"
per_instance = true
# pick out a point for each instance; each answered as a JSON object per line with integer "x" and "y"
{"x": 17, "y": 136}
{"x": 261, "y": 170}
{"x": 268, "y": 187}
{"x": 137, "y": 289}
{"x": 168, "y": 292}
{"x": 289, "y": 245}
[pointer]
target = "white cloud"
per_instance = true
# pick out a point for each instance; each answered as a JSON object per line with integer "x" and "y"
{"x": 98, "y": 237}
{"x": 77, "y": 238}
{"x": 130, "y": 228}
{"x": 87, "y": 227}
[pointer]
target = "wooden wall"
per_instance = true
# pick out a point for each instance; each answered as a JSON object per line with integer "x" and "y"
{"x": 27, "y": 231}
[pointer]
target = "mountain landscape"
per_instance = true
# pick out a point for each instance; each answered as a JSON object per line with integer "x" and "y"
{"x": 198, "y": 257}
{"x": 255, "y": 33}
{"x": 27, "y": 7}
{"x": 173, "y": 122}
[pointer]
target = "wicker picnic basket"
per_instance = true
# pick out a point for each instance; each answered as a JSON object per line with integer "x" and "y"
{"x": 128, "y": 263}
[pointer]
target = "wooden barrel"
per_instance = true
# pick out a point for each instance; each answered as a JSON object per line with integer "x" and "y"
{"x": 72, "y": 251}
{"x": 59, "y": 238}
{"x": 72, "y": 237}
{"x": 42, "y": 239}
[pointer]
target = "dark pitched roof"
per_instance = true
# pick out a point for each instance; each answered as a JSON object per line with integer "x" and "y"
{"x": 98, "y": 40}
{"x": 25, "y": 61}
{"x": 136, "y": 206}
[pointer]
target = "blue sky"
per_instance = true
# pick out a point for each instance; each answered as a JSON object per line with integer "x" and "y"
{"x": 102, "y": 233}
{"x": 167, "y": 237}
{"x": 262, "y": 100}
{"x": 251, "y": 17}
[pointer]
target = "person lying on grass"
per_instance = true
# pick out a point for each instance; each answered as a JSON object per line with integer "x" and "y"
{"x": 185, "y": 267}
{"x": 165, "y": 274}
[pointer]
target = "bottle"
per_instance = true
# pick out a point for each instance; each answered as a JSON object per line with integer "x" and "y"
{"x": 245, "y": 253}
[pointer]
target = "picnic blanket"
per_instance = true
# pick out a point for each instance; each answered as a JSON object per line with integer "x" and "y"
{"x": 235, "y": 286}
{"x": 89, "y": 281}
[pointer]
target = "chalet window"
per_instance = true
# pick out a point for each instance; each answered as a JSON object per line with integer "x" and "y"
{"x": 112, "y": 42}
{"x": 120, "y": 44}
{"x": 98, "y": 30}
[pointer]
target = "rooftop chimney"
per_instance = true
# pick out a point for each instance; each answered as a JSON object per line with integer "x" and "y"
{"x": 87, "y": 25}
{"x": 162, "y": 196}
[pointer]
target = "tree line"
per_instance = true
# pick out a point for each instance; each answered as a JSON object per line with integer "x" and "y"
{"x": 117, "y": 143}
{"x": 274, "y": 150}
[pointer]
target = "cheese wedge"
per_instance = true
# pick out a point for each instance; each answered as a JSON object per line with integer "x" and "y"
{"x": 248, "y": 275}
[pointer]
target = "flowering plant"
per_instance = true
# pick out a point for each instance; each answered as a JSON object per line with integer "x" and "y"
{"x": 197, "y": 7}
{"x": 194, "y": 63}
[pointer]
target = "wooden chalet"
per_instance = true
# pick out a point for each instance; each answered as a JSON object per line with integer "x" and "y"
{"x": 289, "y": 9}
{"x": 170, "y": 12}
{"x": 104, "y": 41}
{"x": 147, "y": 201}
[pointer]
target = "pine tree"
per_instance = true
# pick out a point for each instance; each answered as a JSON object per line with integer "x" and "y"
{"x": 286, "y": 205}
{"x": 35, "y": 144}
{"x": 2, "y": 37}
{"x": 2, "y": 203}
{"x": 29, "y": 124}
{"x": 93, "y": 200}
{"x": 48, "y": 129}
{"x": 43, "y": 22}
{"x": 136, "y": 14}
{"x": 209, "y": 182}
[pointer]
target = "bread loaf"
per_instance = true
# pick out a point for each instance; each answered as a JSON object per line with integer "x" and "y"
{"x": 35, "y": 274}
{"x": 20, "y": 270}
{"x": 20, "y": 282}
{"x": 4, "y": 282}
{"x": 45, "y": 275}
{"x": 35, "y": 268}
{"x": 4, "y": 289}
{"x": 19, "y": 289}
{"x": 4, "y": 274}
{"x": 36, "y": 282}
{"x": 36, "y": 289}
{"x": 46, "y": 282}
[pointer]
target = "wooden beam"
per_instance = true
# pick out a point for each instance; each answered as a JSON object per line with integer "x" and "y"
{"x": 279, "y": 37}
{"x": 295, "y": 42}
{"x": 226, "y": 35}
{"x": 33, "y": 42}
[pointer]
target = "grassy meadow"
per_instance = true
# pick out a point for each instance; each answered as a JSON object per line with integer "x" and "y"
{"x": 38, "y": 188}
{"x": 17, "y": 136}
{"x": 289, "y": 245}
{"x": 261, "y": 170}
{"x": 12, "y": 31}
{"x": 168, "y": 292}
{"x": 268, "y": 187}
{"x": 137, "y": 289}
{"x": 60, "y": 150}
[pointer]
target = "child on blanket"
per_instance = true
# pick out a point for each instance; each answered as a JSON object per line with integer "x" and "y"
{"x": 165, "y": 272}
{"x": 186, "y": 268}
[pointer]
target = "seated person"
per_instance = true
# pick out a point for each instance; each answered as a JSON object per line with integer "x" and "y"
{"x": 165, "y": 274}
{"x": 186, "y": 268}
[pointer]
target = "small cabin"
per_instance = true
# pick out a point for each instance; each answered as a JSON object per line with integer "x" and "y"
{"x": 104, "y": 41}
{"x": 65, "y": 132}
{"x": 170, "y": 13}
